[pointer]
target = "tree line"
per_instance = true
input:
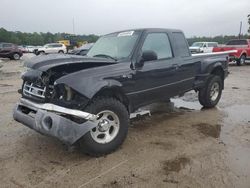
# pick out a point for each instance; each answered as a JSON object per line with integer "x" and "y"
{"x": 22, "y": 38}
{"x": 36, "y": 39}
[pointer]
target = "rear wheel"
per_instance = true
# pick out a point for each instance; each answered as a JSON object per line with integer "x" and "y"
{"x": 113, "y": 121}
{"x": 210, "y": 95}
{"x": 242, "y": 60}
{"x": 16, "y": 56}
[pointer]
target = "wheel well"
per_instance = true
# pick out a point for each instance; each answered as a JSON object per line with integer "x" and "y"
{"x": 218, "y": 71}
{"x": 114, "y": 92}
{"x": 243, "y": 54}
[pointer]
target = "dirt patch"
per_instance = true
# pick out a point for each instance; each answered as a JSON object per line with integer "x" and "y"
{"x": 5, "y": 85}
{"x": 235, "y": 88}
{"x": 163, "y": 145}
{"x": 112, "y": 184}
{"x": 209, "y": 130}
{"x": 9, "y": 74}
{"x": 175, "y": 165}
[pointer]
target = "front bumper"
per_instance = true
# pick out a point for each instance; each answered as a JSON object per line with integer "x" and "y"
{"x": 50, "y": 122}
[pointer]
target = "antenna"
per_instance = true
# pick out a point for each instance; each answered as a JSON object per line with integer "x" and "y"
{"x": 240, "y": 29}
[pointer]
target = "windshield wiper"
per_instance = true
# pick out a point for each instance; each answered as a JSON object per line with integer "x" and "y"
{"x": 105, "y": 56}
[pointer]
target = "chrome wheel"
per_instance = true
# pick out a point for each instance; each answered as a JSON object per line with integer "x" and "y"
{"x": 16, "y": 56}
{"x": 214, "y": 92}
{"x": 107, "y": 128}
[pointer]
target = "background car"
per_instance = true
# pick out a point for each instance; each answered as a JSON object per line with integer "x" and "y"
{"x": 242, "y": 47}
{"x": 83, "y": 50}
{"x": 52, "y": 48}
{"x": 9, "y": 50}
{"x": 203, "y": 47}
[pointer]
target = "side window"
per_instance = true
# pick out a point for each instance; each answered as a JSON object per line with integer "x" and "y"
{"x": 181, "y": 44}
{"x": 159, "y": 43}
{"x": 58, "y": 45}
{"x": 212, "y": 44}
{"x": 7, "y": 45}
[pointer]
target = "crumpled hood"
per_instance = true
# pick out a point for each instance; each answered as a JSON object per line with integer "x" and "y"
{"x": 45, "y": 62}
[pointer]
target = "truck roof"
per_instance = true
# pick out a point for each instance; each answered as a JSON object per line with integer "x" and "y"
{"x": 149, "y": 29}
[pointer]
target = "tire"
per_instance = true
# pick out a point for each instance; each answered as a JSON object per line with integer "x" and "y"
{"x": 16, "y": 56}
{"x": 90, "y": 143}
{"x": 214, "y": 84}
{"x": 242, "y": 60}
{"x": 41, "y": 53}
{"x": 61, "y": 52}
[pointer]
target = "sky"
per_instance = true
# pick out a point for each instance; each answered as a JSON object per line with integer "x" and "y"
{"x": 194, "y": 17}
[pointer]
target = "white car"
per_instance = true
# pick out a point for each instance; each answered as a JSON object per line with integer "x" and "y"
{"x": 203, "y": 47}
{"x": 30, "y": 48}
{"x": 52, "y": 48}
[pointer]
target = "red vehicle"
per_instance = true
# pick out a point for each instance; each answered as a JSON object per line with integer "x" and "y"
{"x": 243, "y": 50}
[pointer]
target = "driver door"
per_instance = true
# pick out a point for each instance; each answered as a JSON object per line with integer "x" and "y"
{"x": 154, "y": 79}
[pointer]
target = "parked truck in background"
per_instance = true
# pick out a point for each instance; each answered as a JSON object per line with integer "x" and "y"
{"x": 202, "y": 47}
{"x": 242, "y": 47}
{"x": 87, "y": 100}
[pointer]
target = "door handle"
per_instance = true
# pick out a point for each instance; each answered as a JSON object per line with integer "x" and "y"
{"x": 176, "y": 66}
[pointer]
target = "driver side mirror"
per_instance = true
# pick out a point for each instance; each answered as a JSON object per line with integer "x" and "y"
{"x": 148, "y": 55}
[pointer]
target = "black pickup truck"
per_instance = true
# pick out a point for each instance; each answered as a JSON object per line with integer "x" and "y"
{"x": 88, "y": 100}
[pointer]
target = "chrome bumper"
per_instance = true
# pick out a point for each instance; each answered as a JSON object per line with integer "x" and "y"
{"x": 46, "y": 119}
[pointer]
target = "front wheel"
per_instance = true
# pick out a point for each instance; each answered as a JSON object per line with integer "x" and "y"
{"x": 210, "y": 95}
{"x": 112, "y": 128}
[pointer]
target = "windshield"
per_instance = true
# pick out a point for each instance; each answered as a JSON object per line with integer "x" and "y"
{"x": 197, "y": 44}
{"x": 114, "y": 46}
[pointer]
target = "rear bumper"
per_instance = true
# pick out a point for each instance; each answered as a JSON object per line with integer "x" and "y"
{"x": 51, "y": 123}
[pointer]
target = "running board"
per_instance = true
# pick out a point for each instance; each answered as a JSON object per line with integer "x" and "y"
{"x": 139, "y": 113}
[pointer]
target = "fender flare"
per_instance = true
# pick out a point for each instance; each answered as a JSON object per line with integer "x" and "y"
{"x": 243, "y": 52}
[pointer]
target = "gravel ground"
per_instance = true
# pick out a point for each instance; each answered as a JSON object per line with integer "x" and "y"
{"x": 180, "y": 145}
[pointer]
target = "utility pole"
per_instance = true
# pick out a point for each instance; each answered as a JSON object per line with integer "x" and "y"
{"x": 73, "y": 24}
{"x": 240, "y": 29}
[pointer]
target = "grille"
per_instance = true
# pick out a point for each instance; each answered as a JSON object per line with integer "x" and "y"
{"x": 34, "y": 90}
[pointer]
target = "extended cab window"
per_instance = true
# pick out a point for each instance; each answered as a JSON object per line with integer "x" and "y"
{"x": 181, "y": 45}
{"x": 237, "y": 42}
{"x": 159, "y": 43}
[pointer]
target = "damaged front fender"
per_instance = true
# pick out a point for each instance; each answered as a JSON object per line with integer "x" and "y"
{"x": 88, "y": 87}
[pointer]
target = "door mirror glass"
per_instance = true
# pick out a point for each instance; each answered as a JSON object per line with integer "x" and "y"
{"x": 149, "y": 55}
